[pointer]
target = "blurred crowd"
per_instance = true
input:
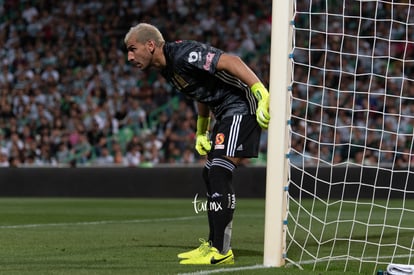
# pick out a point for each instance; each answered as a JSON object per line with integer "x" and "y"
{"x": 68, "y": 96}
{"x": 353, "y": 90}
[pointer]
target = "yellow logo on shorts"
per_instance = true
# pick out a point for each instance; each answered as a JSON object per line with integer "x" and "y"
{"x": 219, "y": 141}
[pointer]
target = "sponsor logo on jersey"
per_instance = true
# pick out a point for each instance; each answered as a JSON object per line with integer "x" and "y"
{"x": 209, "y": 59}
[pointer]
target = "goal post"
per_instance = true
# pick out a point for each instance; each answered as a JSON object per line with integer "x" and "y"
{"x": 340, "y": 160}
{"x": 276, "y": 172}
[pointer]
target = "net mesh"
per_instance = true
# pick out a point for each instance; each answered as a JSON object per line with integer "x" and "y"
{"x": 351, "y": 182}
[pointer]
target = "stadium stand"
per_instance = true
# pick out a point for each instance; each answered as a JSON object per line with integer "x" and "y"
{"x": 68, "y": 97}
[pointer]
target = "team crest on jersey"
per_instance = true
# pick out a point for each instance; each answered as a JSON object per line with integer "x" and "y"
{"x": 219, "y": 141}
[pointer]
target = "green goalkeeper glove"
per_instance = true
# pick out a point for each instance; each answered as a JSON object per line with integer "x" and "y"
{"x": 203, "y": 145}
{"x": 262, "y": 112}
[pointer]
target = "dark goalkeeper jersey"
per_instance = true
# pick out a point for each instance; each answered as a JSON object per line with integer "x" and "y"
{"x": 191, "y": 69}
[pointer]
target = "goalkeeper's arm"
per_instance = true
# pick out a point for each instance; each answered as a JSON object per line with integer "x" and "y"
{"x": 203, "y": 145}
{"x": 235, "y": 66}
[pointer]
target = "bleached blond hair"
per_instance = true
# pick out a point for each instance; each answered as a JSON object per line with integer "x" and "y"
{"x": 143, "y": 32}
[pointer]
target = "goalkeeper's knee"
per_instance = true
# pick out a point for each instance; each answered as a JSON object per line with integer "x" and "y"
{"x": 221, "y": 176}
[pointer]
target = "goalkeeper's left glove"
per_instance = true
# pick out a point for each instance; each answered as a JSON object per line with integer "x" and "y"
{"x": 203, "y": 144}
{"x": 262, "y": 111}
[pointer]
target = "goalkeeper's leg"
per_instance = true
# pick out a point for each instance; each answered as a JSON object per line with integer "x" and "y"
{"x": 222, "y": 203}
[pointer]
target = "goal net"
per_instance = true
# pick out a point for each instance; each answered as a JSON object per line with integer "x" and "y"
{"x": 351, "y": 179}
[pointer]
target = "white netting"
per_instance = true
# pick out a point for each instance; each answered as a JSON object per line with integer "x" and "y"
{"x": 351, "y": 184}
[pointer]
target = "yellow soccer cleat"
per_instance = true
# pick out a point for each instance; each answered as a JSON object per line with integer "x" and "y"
{"x": 211, "y": 257}
{"x": 204, "y": 246}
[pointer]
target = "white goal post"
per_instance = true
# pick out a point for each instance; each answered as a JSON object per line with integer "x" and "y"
{"x": 276, "y": 172}
{"x": 340, "y": 160}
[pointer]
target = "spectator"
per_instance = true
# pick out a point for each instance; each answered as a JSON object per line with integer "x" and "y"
{"x": 133, "y": 156}
{"x": 82, "y": 149}
{"x": 152, "y": 149}
{"x": 104, "y": 158}
{"x": 4, "y": 162}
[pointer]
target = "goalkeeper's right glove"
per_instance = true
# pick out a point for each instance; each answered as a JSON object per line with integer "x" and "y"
{"x": 262, "y": 111}
{"x": 203, "y": 145}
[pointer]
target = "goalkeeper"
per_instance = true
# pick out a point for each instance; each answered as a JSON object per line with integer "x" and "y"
{"x": 224, "y": 87}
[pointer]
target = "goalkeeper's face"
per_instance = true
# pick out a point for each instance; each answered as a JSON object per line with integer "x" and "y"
{"x": 140, "y": 54}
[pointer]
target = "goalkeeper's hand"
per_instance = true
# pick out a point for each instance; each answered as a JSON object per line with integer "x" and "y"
{"x": 262, "y": 111}
{"x": 203, "y": 145}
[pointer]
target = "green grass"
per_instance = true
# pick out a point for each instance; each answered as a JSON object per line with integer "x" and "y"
{"x": 123, "y": 236}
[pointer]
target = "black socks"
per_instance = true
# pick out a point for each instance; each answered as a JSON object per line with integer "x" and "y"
{"x": 221, "y": 201}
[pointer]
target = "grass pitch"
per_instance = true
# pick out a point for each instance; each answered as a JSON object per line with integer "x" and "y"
{"x": 122, "y": 236}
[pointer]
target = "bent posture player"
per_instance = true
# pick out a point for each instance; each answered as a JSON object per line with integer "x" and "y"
{"x": 224, "y": 85}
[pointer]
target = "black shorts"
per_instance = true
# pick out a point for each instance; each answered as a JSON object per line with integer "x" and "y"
{"x": 236, "y": 136}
